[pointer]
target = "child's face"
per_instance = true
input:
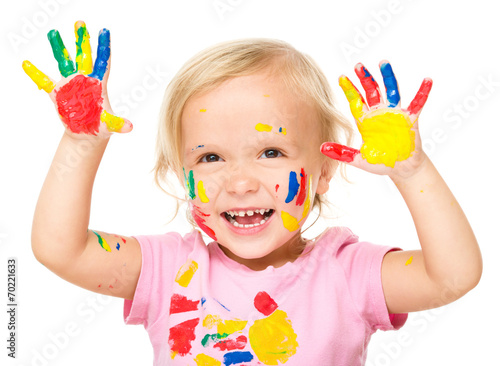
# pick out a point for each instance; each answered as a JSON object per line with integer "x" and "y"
{"x": 251, "y": 145}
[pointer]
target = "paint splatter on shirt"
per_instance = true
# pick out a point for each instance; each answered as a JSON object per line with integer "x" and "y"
{"x": 202, "y": 308}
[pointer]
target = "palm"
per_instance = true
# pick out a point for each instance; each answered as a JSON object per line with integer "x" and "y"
{"x": 391, "y": 142}
{"x": 80, "y": 96}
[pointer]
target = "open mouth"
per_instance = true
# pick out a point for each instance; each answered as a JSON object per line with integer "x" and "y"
{"x": 248, "y": 218}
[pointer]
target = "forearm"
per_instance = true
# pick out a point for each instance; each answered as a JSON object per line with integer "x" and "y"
{"x": 450, "y": 250}
{"x": 62, "y": 213}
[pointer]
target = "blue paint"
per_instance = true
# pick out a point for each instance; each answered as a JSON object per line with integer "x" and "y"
{"x": 103, "y": 54}
{"x": 197, "y": 147}
{"x": 203, "y": 300}
{"x": 118, "y": 246}
{"x": 222, "y": 305}
{"x": 391, "y": 85}
{"x": 293, "y": 187}
{"x": 232, "y": 358}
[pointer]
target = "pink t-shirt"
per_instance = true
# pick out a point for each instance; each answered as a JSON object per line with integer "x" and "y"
{"x": 202, "y": 308}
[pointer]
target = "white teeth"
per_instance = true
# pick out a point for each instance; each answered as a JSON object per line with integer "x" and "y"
{"x": 261, "y": 211}
{"x": 267, "y": 210}
{"x": 250, "y": 213}
{"x": 246, "y": 226}
{"x": 242, "y": 213}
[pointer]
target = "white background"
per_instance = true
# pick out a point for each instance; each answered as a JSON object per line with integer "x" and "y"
{"x": 454, "y": 42}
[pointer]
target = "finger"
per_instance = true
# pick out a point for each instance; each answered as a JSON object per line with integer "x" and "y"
{"x": 101, "y": 64}
{"x": 83, "y": 52}
{"x": 373, "y": 96}
{"x": 116, "y": 124}
{"x": 356, "y": 101}
{"x": 391, "y": 84}
{"x": 418, "y": 102}
{"x": 339, "y": 152}
{"x": 66, "y": 66}
{"x": 41, "y": 80}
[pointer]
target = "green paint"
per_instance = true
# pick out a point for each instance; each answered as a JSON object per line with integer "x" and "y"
{"x": 102, "y": 242}
{"x": 81, "y": 32}
{"x": 189, "y": 184}
{"x": 212, "y": 337}
{"x": 66, "y": 65}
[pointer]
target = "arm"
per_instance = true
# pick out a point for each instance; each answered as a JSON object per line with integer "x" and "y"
{"x": 60, "y": 239}
{"x": 449, "y": 264}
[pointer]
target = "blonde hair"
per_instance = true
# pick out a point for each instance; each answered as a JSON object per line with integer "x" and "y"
{"x": 214, "y": 65}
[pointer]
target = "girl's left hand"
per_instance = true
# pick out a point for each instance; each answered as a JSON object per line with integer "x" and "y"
{"x": 391, "y": 141}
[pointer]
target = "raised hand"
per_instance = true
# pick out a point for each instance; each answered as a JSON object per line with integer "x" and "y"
{"x": 81, "y": 95}
{"x": 391, "y": 142}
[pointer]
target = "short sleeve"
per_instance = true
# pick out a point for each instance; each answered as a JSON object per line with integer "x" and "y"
{"x": 362, "y": 263}
{"x": 160, "y": 256}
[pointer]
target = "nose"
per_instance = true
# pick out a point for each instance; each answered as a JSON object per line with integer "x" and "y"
{"x": 241, "y": 180}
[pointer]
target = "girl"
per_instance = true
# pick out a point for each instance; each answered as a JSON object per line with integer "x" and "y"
{"x": 241, "y": 128}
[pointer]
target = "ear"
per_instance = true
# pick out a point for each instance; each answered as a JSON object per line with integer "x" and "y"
{"x": 327, "y": 171}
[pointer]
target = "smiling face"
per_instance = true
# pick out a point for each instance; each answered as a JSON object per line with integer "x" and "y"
{"x": 252, "y": 165}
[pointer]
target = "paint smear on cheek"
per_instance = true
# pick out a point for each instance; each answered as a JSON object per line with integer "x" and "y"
{"x": 303, "y": 188}
{"x": 201, "y": 192}
{"x": 291, "y": 223}
{"x": 79, "y": 104}
{"x": 293, "y": 187}
{"x": 200, "y": 221}
{"x": 387, "y": 137}
{"x": 189, "y": 183}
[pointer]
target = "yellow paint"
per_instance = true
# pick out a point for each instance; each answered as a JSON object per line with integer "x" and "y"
{"x": 201, "y": 192}
{"x": 173, "y": 354}
{"x": 186, "y": 273}
{"x": 409, "y": 261}
{"x": 204, "y": 360}
{"x": 83, "y": 56}
{"x": 283, "y": 131}
{"x": 273, "y": 339}
{"x": 353, "y": 97}
{"x": 263, "y": 128}
{"x": 224, "y": 326}
{"x": 203, "y": 110}
{"x": 290, "y": 222}
{"x": 266, "y": 95}
{"x": 113, "y": 123}
{"x": 41, "y": 80}
{"x": 387, "y": 137}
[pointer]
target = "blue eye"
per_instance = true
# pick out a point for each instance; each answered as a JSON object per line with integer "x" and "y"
{"x": 271, "y": 153}
{"x": 210, "y": 158}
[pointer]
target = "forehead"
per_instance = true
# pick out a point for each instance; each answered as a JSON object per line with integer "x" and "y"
{"x": 246, "y": 105}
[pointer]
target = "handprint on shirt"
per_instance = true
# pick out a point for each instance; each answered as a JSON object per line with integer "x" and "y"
{"x": 81, "y": 96}
{"x": 389, "y": 132}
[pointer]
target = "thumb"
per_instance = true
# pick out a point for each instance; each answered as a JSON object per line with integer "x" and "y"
{"x": 114, "y": 123}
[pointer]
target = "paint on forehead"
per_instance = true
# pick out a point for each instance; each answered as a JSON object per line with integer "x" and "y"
{"x": 263, "y": 128}
{"x": 387, "y": 137}
{"x": 266, "y": 95}
{"x": 293, "y": 187}
{"x": 79, "y": 104}
{"x": 189, "y": 184}
{"x": 201, "y": 192}
{"x": 282, "y": 130}
{"x": 302, "y": 193}
{"x": 203, "y": 110}
{"x": 197, "y": 147}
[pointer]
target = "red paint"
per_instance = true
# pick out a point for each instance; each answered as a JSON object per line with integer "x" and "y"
{"x": 180, "y": 304}
{"x": 264, "y": 303}
{"x": 303, "y": 188}
{"x": 79, "y": 104}
{"x": 231, "y": 344}
{"x": 369, "y": 85}
{"x": 339, "y": 152}
{"x": 418, "y": 102}
{"x": 181, "y": 336}
{"x": 200, "y": 221}
{"x": 277, "y": 186}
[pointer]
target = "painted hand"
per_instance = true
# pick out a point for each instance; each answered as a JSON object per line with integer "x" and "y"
{"x": 391, "y": 141}
{"x": 81, "y": 96}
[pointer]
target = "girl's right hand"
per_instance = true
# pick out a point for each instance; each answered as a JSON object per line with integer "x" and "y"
{"x": 81, "y": 97}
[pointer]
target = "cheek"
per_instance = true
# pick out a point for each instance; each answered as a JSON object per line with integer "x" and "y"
{"x": 297, "y": 187}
